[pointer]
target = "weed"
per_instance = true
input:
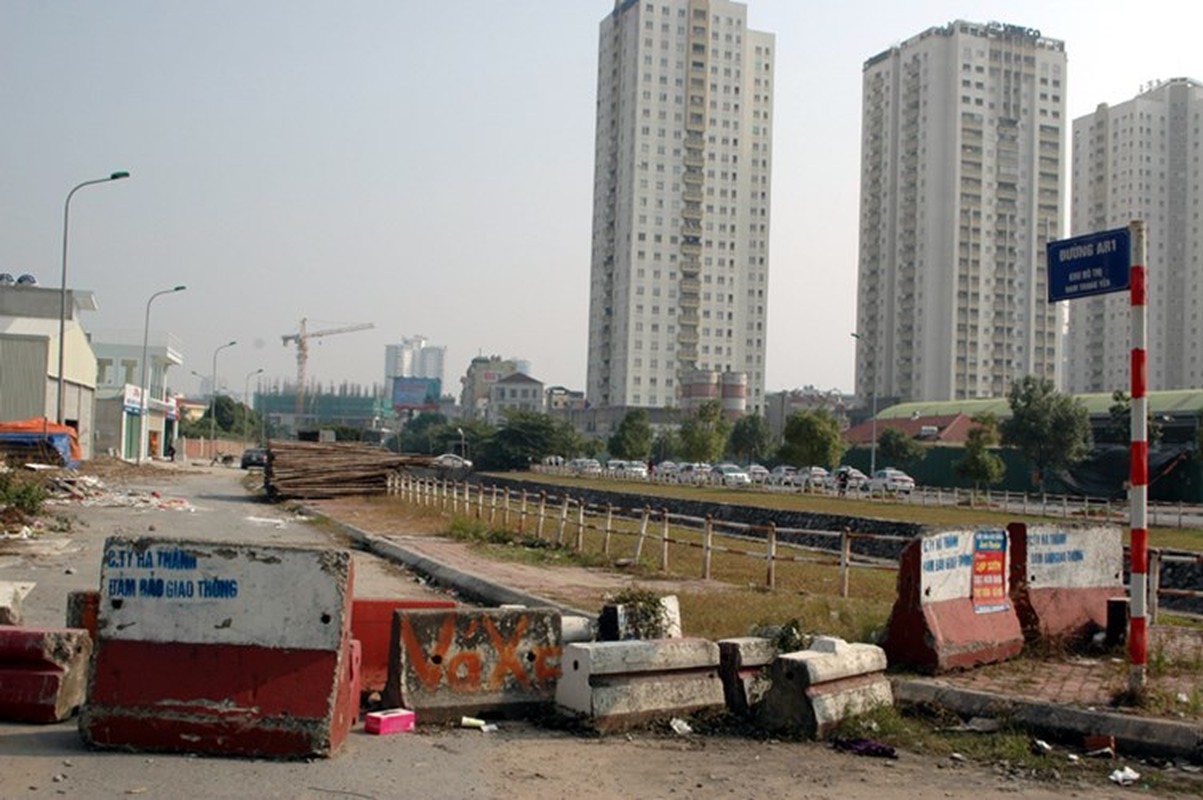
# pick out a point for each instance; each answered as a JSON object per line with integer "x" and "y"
{"x": 22, "y": 491}
{"x": 645, "y": 614}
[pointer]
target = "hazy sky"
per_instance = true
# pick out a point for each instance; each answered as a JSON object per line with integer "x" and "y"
{"x": 427, "y": 166}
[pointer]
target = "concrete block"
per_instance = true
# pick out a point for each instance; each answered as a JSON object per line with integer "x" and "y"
{"x": 372, "y": 626}
{"x": 953, "y": 609}
{"x": 743, "y": 667}
{"x": 577, "y": 629}
{"x": 814, "y": 690}
{"x": 468, "y": 662}
{"x": 43, "y": 672}
{"x": 83, "y": 610}
{"x": 12, "y": 593}
{"x": 619, "y": 622}
{"x": 617, "y": 684}
{"x": 264, "y": 632}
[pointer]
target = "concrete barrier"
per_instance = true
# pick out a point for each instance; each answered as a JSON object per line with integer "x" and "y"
{"x": 43, "y": 672}
{"x": 222, "y": 647}
{"x": 744, "y": 668}
{"x": 814, "y": 690}
{"x": 620, "y": 621}
{"x": 12, "y": 594}
{"x": 953, "y": 608}
{"x": 449, "y": 664}
{"x": 83, "y": 609}
{"x": 618, "y": 684}
{"x": 1063, "y": 576}
{"x": 372, "y": 627}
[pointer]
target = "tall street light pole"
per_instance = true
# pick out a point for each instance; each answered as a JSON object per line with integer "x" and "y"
{"x": 213, "y": 402}
{"x": 246, "y": 392}
{"x": 62, "y": 298}
{"x": 145, "y": 390}
{"x": 873, "y": 424}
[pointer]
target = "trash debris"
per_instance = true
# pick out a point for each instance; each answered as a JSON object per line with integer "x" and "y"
{"x": 1183, "y": 697}
{"x": 471, "y": 722}
{"x": 957, "y": 757}
{"x": 865, "y": 747}
{"x": 680, "y": 726}
{"x": 1074, "y": 758}
{"x": 977, "y": 725}
{"x": 1125, "y": 777}
{"x": 1102, "y": 752}
{"x": 1040, "y": 747}
{"x": 488, "y": 727}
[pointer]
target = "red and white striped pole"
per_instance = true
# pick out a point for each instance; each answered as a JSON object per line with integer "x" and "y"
{"x": 1139, "y": 497}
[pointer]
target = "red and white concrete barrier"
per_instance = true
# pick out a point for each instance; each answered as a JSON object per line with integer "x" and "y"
{"x": 953, "y": 608}
{"x": 43, "y": 672}
{"x": 223, "y": 647}
{"x": 1062, "y": 578}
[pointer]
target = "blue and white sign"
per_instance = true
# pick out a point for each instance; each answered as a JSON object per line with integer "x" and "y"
{"x": 1097, "y": 263}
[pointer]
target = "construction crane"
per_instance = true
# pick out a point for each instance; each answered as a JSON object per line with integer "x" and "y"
{"x": 301, "y": 339}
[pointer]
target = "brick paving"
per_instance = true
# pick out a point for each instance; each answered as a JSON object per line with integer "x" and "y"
{"x": 1175, "y": 677}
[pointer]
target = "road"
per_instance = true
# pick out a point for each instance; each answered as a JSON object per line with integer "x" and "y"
{"x": 521, "y": 760}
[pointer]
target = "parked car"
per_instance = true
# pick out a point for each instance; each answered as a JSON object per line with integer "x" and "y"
{"x": 812, "y": 477}
{"x": 635, "y": 469}
{"x": 730, "y": 475}
{"x": 665, "y": 469}
{"x": 452, "y": 461}
{"x": 757, "y": 473}
{"x": 585, "y": 466}
{"x": 855, "y": 479}
{"x": 783, "y": 475}
{"x": 694, "y": 473}
{"x": 254, "y": 457}
{"x": 892, "y": 481}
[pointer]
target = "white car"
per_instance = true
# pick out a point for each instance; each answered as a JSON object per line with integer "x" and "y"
{"x": 854, "y": 479}
{"x": 892, "y": 481}
{"x": 812, "y": 477}
{"x": 784, "y": 475}
{"x": 452, "y": 461}
{"x": 731, "y": 475}
{"x": 635, "y": 469}
{"x": 585, "y": 466}
{"x": 757, "y": 473}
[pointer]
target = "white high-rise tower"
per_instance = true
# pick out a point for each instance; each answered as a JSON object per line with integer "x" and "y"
{"x": 1140, "y": 160}
{"x": 962, "y": 154}
{"x": 679, "y": 276}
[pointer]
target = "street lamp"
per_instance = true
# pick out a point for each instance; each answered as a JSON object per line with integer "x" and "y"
{"x": 463, "y": 445}
{"x": 213, "y": 402}
{"x": 873, "y": 444}
{"x": 246, "y": 391}
{"x": 142, "y": 445}
{"x": 62, "y": 292}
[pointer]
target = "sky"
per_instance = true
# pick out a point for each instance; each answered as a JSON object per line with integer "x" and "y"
{"x": 427, "y": 167}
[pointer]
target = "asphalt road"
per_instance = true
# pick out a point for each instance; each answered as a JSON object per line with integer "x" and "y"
{"x": 520, "y": 760}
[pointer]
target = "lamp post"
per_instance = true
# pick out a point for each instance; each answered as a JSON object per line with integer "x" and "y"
{"x": 463, "y": 443}
{"x": 873, "y": 425}
{"x": 213, "y": 403}
{"x": 145, "y": 390}
{"x": 246, "y": 392}
{"x": 62, "y": 292}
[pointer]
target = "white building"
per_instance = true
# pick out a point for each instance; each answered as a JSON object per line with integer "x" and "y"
{"x": 119, "y": 402}
{"x": 1140, "y": 160}
{"x": 679, "y": 275}
{"x": 962, "y": 149}
{"x": 413, "y": 358}
{"x": 515, "y": 392}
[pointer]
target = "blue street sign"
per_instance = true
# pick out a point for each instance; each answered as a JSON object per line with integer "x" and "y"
{"x": 1097, "y": 263}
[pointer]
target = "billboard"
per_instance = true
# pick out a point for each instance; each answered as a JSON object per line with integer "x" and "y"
{"x": 416, "y": 394}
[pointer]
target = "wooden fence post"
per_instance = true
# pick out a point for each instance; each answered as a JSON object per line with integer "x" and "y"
{"x": 1154, "y": 583}
{"x": 480, "y": 502}
{"x": 609, "y": 528}
{"x": 707, "y": 544}
{"x": 771, "y": 574}
{"x": 647, "y": 515}
{"x": 580, "y": 525}
{"x": 522, "y": 515}
{"x": 664, "y": 540}
{"x": 845, "y": 560}
{"x": 505, "y": 510}
{"x": 563, "y": 521}
{"x": 542, "y": 514}
{"x": 493, "y": 505}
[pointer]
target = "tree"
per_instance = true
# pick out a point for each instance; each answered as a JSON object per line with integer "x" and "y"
{"x": 1119, "y": 424}
{"x": 419, "y": 433}
{"x": 751, "y": 439}
{"x": 666, "y": 445}
{"x": 812, "y": 438}
{"x": 633, "y": 437}
{"x": 980, "y": 465}
{"x": 896, "y": 447}
{"x": 704, "y": 433}
{"x": 1051, "y": 429}
{"x": 524, "y": 439}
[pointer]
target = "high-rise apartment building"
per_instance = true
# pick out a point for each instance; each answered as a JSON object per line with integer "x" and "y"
{"x": 413, "y": 358}
{"x": 679, "y": 276}
{"x": 962, "y": 148}
{"x": 1140, "y": 160}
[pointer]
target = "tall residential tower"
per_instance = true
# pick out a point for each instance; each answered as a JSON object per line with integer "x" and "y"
{"x": 962, "y": 147}
{"x": 679, "y": 276}
{"x": 1140, "y": 160}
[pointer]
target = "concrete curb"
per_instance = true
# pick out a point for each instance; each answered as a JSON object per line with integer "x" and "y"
{"x": 1140, "y": 735}
{"x": 470, "y": 585}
